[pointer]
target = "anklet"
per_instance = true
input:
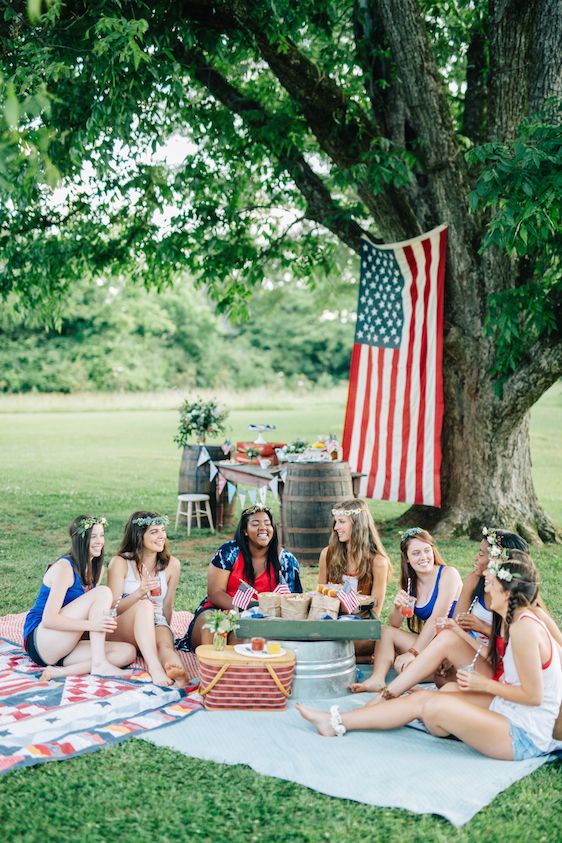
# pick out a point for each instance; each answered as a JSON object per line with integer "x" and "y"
{"x": 336, "y": 722}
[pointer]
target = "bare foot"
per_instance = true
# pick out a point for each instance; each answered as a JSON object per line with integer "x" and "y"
{"x": 370, "y": 685}
{"x": 47, "y": 674}
{"x": 106, "y": 669}
{"x": 319, "y": 719}
{"x": 177, "y": 673}
{"x": 160, "y": 678}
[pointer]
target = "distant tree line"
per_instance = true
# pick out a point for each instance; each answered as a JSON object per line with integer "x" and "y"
{"x": 122, "y": 337}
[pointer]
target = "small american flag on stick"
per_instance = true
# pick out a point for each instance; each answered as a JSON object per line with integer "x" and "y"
{"x": 243, "y": 596}
{"x": 282, "y": 587}
{"x": 348, "y": 598}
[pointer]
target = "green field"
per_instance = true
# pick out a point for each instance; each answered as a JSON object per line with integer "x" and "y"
{"x": 113, "y": 454}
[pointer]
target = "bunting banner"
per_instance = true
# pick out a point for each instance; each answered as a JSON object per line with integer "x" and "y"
{"x": 204, "y": 456}
{"x": 252, "y": 496}
{"x": 213, "y": 471}
{"x": 262, "y": 492}
{"x": 274, "y": 486}
{"x": 392, "y": 431}
{"x": 242, "y": 499}
{"x": 230, "y": 490}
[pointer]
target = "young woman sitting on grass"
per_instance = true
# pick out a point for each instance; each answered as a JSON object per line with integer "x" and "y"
{"x": 510, "y": 719}
{"x": 435, "y": 587}
{"x": 70, "y": 603}
{"x": 255, "y": 558}
{"x": 468, "y": 633}
{"x": 356, "y": 550}
{"x": 143, "y": 578}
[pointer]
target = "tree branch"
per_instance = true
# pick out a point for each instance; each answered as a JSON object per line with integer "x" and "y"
{"x": 531, "y": 380}
{"x": 475, "y": 100}
{"x": 546, "y": 75}
{"x": 341, "y": 127}
{"x": 321, "y": 207}
{"x": 511, "y": 37}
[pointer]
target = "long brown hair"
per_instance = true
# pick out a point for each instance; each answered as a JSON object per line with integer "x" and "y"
{"x": 364, "y": 543}
{"x": 523, "y": 591}
{"x": 408, "y": 575}
{"x": 131, "y": 546}
{"x": 88, "y": 571}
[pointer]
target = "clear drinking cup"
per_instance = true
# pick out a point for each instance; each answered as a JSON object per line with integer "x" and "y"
{"x": 440, "y": 624}
{"x": 408, "y": 609}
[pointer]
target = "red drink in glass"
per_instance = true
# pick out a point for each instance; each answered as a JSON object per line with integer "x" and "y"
{"x": 407, "y": 611}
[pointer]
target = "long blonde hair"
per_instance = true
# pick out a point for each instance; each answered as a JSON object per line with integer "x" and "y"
{"x": 364, "y": 543}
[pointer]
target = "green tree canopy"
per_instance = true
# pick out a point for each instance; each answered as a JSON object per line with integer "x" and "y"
{"x": 310, "y": 123}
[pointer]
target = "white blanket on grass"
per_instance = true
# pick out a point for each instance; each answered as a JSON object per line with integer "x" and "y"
{"x": 402, "y": 768}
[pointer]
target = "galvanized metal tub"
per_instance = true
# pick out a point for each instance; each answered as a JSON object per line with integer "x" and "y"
{"x": 324, "y": 669}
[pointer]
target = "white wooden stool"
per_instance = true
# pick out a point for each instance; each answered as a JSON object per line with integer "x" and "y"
{"x": 202, "y": 508}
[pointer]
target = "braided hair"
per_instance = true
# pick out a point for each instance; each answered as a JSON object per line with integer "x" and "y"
{"x": 523, "y": 590}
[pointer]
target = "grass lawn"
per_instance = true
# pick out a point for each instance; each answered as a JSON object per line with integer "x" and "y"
{"x": 62, "y": 456}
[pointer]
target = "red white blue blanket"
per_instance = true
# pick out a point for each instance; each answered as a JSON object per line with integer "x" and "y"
{"x": 52, "y": 721}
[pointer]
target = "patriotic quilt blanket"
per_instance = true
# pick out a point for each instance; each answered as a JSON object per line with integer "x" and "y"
{"x": 52, "y": 721}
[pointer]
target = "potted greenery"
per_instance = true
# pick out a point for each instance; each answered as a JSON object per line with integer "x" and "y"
{"x": 199, "y": 419}
{"x": 221, "y": 624}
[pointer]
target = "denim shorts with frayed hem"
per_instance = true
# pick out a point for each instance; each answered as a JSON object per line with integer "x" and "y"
{"x": 523, "y": 746}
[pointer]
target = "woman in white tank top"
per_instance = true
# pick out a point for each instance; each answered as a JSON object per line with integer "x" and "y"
{"x": 143, "y": 577}
{"x": 511, "y": 719}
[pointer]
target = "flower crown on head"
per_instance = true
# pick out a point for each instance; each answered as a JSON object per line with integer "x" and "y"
{"x": 148, "y": 521}
{"x": 505, "y": 574}
{"x": 411, "y": 533}
{"x": 256, "y": 507}
{"x": 337, "y": 512}
{"x": 495, "y": 550}
{"x": 86, "y": 524}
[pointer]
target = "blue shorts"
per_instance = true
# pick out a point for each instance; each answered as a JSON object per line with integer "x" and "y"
{"x": 523, "y": 746}
{"x": 31, "y": 649}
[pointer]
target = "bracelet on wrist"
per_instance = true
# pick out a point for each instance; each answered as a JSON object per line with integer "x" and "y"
{"x": 413, "y": 651}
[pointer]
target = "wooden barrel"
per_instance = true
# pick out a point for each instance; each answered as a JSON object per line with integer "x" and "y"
{"x": 195, "y": 480}
{"x": 309, "y": 493}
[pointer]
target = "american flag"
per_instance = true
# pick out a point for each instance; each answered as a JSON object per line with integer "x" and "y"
{"x": 282, "y": 587}
{"x": 392, "y": 431}
{"x": 348, "y": 598}
{"x": 244, "y": 595}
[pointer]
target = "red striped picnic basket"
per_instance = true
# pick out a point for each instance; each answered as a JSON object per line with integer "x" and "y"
{"x": 232, "y": 680}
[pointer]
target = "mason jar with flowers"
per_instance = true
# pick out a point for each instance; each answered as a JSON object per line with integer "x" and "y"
{"x": 221, "y": 624}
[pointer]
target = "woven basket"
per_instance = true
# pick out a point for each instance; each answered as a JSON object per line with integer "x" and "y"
{"x": 232, "y": 681}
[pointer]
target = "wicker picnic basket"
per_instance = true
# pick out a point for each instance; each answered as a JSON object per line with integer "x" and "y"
{"x": 231, "y": 680}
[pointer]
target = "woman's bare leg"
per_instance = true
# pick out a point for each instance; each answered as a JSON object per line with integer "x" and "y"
{"x": 55, "y": 644}
{"x": 79, "y": 662}
{"x": 136, "y": 626}
{"x": 391, "y": 642}
{"x": 389, "y": 715}
{"x": 446, "y": 645}
{"x": 169, "y": 656}
{"x": 470, "y": 720}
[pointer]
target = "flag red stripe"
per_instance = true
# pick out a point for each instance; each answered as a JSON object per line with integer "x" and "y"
{"x": 390, "y": 423}
{"x": 366, "y": 411}
{"x": 375, "y": 455}
{"x": 420, "y": 444}
{"x": 351, "y": 400}
{"x": 438, "y": 424}
{"x": 406, "y": 421}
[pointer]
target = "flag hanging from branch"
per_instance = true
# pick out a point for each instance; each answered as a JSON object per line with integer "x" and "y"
{"x": 392, "y": 431}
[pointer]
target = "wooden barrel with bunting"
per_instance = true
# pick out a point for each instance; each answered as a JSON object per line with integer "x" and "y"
{"x": 309, "y": 494}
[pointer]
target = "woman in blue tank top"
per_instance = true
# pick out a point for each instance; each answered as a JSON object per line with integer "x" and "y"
{"x": 71, "y": 602}
{"x": 435, "y": 587}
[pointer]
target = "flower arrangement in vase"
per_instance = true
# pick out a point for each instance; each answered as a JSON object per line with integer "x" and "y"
{"x": 221, "y": 624}
{"x": 201, "y": 418}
